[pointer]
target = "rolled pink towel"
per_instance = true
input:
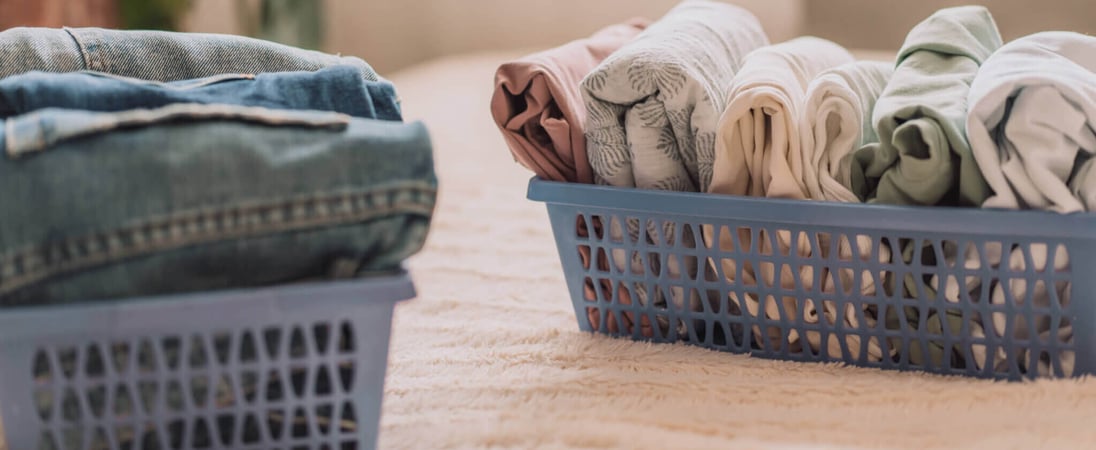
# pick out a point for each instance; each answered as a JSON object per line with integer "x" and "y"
{"x": 538, "y": 107}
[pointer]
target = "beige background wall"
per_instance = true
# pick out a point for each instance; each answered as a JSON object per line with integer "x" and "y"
{"x": 395, "y": 33}
{"x": 392, "y": 34}
{"x": 212, "y": 16}
{"x": 883, "y": 24}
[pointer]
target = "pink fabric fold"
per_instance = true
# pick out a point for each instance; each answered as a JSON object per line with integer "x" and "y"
{"x": 538, "y": 106}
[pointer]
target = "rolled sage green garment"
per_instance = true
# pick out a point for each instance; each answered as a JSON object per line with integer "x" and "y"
{"x": 937, "y": 323}
{"x": 934, "y": 319}
{"x": 923, "y": 157}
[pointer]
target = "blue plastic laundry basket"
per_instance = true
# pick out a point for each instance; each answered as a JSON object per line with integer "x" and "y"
{"x": 290, "y": 367}
{"x": 943, "y": 290}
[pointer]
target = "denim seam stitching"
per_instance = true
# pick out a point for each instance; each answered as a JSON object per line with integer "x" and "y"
{"x": 172, "y": 232}
{"x": 84, "y": 54}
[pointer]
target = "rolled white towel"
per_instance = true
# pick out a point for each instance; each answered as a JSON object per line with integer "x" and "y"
{"x": 1031, "y": 129}
{"x": 1031, "y": 122}
{"x": 837, "y": 120}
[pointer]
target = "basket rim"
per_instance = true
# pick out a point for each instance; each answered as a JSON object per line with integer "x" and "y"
{"x": 380, "y": 289}
{"x": 1015, "y": 225}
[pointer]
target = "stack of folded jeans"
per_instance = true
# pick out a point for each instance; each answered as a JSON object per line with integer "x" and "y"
{"x": 136, "y": 163}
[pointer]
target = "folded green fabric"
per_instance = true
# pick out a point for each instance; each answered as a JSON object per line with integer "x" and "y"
{"x": 939, "y": 320}
{"x": 923, "y": 157}
{"x": 935, "y": 324}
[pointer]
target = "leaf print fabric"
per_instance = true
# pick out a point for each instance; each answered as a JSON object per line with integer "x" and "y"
{"x": 652, "y": 107}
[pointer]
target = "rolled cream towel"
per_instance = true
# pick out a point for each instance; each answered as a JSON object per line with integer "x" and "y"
{"x": 844, "y": 281}
{"x": 758, "y": 149}
{"x": 923, "y": 157}
{"x": 538, "y": 107}
{"x": 758, "y": 153}
{"x": 836, "y": 121}
{"x": 1033, "y": 109}
{"x": 832, "y": 284}
{"x": 653, "y": 106}
{"x": 734, "y": 243}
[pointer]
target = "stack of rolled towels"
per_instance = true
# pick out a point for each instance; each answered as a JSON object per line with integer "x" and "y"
{"x": 701, "y": 101}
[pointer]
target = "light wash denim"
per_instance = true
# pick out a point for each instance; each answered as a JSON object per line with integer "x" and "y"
{"x": 156, "y": 55}
{"x": 338, "y": 88}
{"x": 193, "y": 197}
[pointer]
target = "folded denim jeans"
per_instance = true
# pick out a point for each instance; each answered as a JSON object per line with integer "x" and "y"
{"x": 195, "y": 197}
{"x": 337, "y": 88}
{"x": 156, "y": 55}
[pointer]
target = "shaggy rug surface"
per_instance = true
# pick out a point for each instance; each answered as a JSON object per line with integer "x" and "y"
{"x": 490, "y": 356}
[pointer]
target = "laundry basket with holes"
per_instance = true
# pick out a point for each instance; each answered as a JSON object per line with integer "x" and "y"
{"x": 296, "y": 366}
{"x": 943, "y": 290}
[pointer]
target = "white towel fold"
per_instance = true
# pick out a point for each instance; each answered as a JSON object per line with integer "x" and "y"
{"x": 1032, "y": 130}
{"x": 758, "y": 152}
{"x": 1032, "y": 119}
{"x": 836, "y": 121}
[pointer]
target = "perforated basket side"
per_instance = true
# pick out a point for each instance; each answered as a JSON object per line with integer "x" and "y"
{"x": 299, "y": 366}
{"x": 971, "y": 292}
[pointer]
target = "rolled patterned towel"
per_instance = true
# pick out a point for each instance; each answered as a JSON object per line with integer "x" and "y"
{"x": 1033, "y": 109}
{"x": 538, "y": 107}
{"x": 923, "y": 157}
{"x": 758, "y": 149}
{"x": 836, "y": 121}
{"x": 653, "y": 106}
{"x": 652, "y": 109}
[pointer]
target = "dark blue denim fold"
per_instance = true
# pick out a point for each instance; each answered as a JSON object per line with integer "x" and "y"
{"x": 338, "y": 88}
{"x": 193, "y": 197}
{"x": 156, "y": 55}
